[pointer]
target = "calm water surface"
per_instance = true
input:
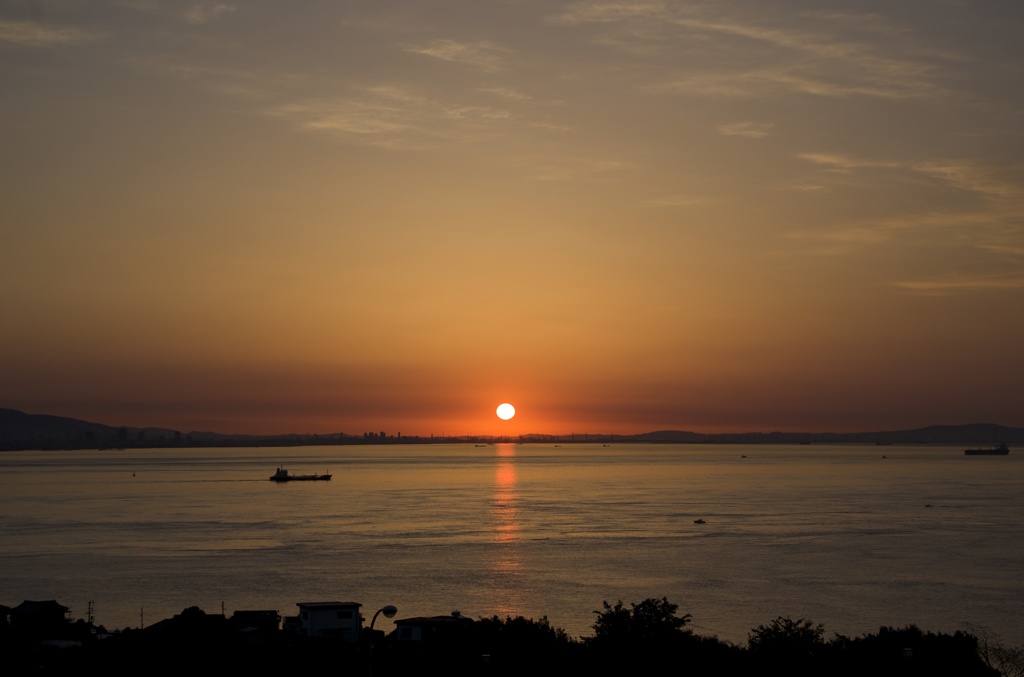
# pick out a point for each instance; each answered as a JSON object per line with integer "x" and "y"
{"x": 839, "y": 534}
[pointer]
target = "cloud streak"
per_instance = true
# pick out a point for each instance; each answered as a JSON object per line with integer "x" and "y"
{"x": 202, "y": 13}
{"x": 837, "y": 162}
{"x": 750, "y": 130}
{"x": 480, "y": 55}
{"x": 394, "y": 117}
{"x": 944, "y": 286}
{"x": 816, "y": 59}
{"x": 993, "y": 182}
{"x": 35, "y": 34}
{"x": 989, "y": 224}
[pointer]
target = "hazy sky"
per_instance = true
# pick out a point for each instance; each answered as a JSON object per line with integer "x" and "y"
{"x": 260, "y": 216}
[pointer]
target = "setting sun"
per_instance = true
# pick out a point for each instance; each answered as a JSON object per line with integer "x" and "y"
{"x": 506, "y": 411}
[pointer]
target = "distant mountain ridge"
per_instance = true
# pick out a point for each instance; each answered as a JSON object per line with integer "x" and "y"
{"x": 21, "y": 431}
{"x": 970, "y": 433}
{"x": 17, "y": 426}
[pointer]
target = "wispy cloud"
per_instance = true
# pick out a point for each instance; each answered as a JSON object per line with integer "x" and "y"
{"x": 393, "y": 117}
{"x": 989, "y": 225}
{"x": 756, "y": 53}
{"x": 552, "y": 169}
{"x": 750, "y": 130}
{"x": 840, "y": 241}
{"x": 482, "y": 55}
{"x": 550, "y": 126}
{"x": 806, "y": 78}
{"x": 507, "y": 93}
{"x": 196, "y": 13}
{"x": 679, "y": 200}
{"x": 611, "y": 12}
{"x": 805, "y": 187}
{"x": 1015, "y": 249}
{"x": 949, "y": 285}
{"x": 386, "y": 115}
{"x": 844, "y": 237}
{"x": 202, "y": 13}
{"x": 869, "y": 22}
{"x": 844, "y": 163}
{"x": 35, "y": 34}
{"x": 990, "y": 181}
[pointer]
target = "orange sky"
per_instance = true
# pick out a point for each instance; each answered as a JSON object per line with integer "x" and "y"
{"x": 620, "y": 217}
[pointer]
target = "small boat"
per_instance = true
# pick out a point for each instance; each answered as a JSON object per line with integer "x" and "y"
{"x": 282, "y": 475}
{"x": 1001, "y": 450}
{"x": 700, "y": 520}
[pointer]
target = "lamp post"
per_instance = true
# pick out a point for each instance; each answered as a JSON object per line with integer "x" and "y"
{"x": 389, "y": 611}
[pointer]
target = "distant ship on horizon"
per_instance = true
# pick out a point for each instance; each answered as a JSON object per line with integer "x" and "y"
{"x": 282, "y": 475}
{"x": 1001, "y": 450}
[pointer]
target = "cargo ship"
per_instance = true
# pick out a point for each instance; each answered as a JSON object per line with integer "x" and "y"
{"x": 1001, "y": 450}
{"x": 282, "y": 475}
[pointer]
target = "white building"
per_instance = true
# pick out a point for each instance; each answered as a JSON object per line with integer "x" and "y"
{"x": 331, "y": 619}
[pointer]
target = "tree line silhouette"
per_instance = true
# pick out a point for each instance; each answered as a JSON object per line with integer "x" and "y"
{"x": 650, "y": 635}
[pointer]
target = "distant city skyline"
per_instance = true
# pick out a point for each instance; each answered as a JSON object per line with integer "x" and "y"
{"x": 619, "y": 217}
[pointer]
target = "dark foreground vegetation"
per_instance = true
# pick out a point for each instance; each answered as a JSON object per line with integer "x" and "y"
{"x": 649, "y": 636}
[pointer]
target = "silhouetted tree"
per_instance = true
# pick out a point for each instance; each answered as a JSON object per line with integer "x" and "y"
{"x": 520, "y": 631}
{"x": 910, "y": 652}
{"x": 798, "y": 646}
{"x": 1007, "y": 661}
{"x": 786, "y": 636}
{"x": 652, "y": 622}
{"x": 519, "y": 645}
{"x": 636, "y": 638}
{"x": 650, "y": 635}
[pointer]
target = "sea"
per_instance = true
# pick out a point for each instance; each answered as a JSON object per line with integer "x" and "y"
{"x": 852, "y": 537}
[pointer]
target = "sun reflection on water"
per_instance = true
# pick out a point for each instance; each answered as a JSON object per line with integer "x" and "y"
{"x": 506, "y": 563}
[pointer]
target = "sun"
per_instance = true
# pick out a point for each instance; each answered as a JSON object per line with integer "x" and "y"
{"x": 506, "y": 411}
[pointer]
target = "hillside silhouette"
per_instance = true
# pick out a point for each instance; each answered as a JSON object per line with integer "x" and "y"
{"x": 23, "y": 431}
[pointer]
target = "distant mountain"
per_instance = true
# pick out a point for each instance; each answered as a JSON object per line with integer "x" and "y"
{"x": 973, "y": 433}
{"x": 19, "y": 430}
{"x": 18, "y": 424}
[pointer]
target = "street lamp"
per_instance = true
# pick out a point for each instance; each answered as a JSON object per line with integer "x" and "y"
{"x": 388, "y": 610}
